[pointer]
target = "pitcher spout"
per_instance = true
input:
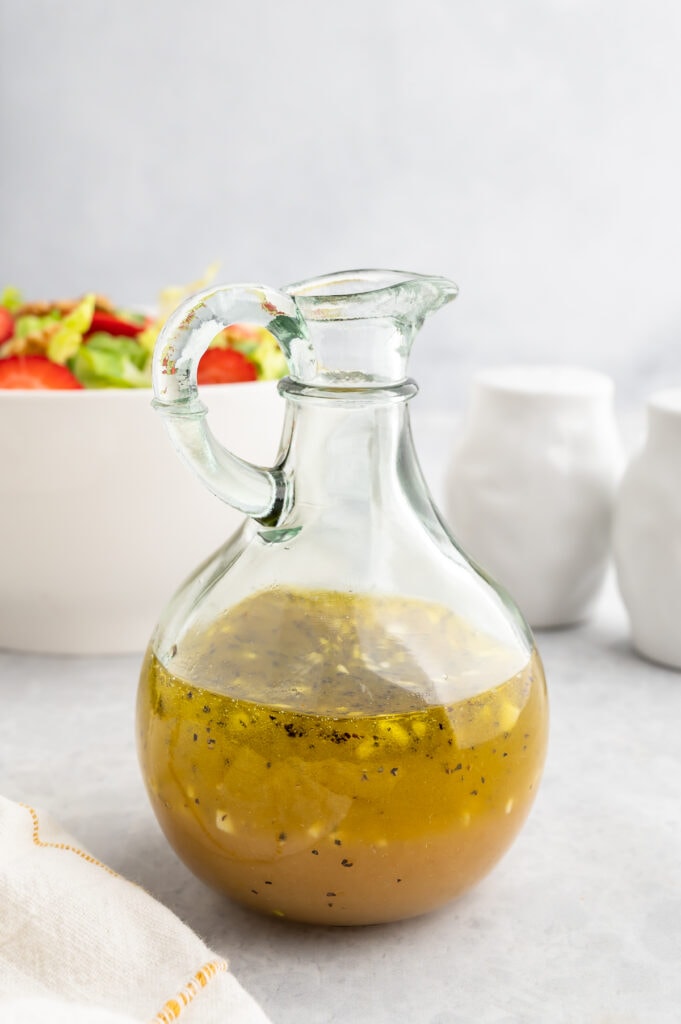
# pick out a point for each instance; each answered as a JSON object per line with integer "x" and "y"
{"x": 362, "y": 324}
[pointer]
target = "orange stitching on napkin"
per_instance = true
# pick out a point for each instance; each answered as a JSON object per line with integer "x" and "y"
{"x": 63, "y": 846}
{"x": 171, "y": 1010}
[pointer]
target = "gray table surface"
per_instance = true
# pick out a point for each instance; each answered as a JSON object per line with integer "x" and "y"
{"x": 581, "y": 921}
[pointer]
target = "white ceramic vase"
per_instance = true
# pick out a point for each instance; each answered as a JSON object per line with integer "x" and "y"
{"x": 531, "y": 485}
{"x": 647, "y": 534}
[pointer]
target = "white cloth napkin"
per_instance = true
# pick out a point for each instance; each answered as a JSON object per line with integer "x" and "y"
{"x": 81, "y": 945}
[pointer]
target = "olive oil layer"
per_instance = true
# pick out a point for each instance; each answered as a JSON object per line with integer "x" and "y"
{"x": 340, "y": 759}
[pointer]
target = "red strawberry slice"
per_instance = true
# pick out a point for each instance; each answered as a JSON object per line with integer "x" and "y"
{"x": 225, "y": 366}
{"x": 36, "y": 372}
{"x": 109, "y": 323}
{"x": 6, "y": 324}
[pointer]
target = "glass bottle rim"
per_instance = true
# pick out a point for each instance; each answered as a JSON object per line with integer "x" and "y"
{"x": 364, "y": 294}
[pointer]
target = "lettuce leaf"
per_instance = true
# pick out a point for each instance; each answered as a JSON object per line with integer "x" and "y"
{"x": 31, "y": 324}
{"x": 68, "y": 337}
{"x": 10, "y": 298}
{"x": 112, "y": 362}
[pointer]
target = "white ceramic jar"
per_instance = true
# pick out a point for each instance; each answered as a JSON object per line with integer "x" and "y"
{"x": 531, "y": 485}
{"x": 647, "y": 534}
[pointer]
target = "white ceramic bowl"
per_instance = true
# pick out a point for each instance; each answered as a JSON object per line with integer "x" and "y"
{"x": 100, "y": 521}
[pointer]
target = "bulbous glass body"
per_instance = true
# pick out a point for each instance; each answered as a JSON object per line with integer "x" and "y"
{"x": 340, "y": 720}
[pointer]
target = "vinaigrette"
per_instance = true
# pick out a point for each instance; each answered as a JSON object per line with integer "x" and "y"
{"x": 341, "y": 759}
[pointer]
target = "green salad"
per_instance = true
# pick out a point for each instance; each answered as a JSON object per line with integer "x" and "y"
{"x": 91, "y": 343}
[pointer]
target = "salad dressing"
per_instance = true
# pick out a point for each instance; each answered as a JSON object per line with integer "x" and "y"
{"x": 340, "y": 758}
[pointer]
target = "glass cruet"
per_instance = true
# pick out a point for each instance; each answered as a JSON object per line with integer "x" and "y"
{"x": 340, "y": 719}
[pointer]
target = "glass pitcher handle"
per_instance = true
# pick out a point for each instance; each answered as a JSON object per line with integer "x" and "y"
{"x": 258, "y": 492}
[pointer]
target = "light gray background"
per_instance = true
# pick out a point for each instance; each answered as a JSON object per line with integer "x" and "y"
{"x": 530, "y": 150}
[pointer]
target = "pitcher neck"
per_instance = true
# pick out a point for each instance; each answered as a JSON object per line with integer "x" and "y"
{"x": 343, "y": 447}
{"x": 358, "y": 354}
